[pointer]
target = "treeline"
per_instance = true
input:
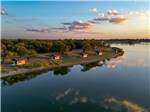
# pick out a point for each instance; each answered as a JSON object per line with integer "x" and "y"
{"x": 127, "y": 41}
{"x": 23, "y": 47}
{"x": 32, "y": 47}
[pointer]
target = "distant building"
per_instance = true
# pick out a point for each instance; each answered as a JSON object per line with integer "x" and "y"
{"x": 84, "y": 55}
{"x": 19, "y": 61}
{"x": 56, "y": 56}
{"x": 115, "y": 49}
{"x": 99, "y": 51}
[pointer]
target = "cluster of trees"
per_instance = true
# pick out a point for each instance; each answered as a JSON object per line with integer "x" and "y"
{"x": 127, "y": 41}
{"x": 23, "y": 47}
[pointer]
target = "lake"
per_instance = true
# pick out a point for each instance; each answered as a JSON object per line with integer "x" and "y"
{"x": 121, "y": 84}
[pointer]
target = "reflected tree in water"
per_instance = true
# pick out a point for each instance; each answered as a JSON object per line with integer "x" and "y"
{"x": 11, "y": 80}
{"x": 89, "y": 66}
{"x": 61, "y": 71}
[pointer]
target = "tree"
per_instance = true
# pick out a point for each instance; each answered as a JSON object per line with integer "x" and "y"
{"x": 93, "y": 43}
{"x": 78, "y": 44}
{"x": 32, "y": 53}
{"x": 40, "y": 46}
{"x": 3, "y": 52}
{"x": 59, "y": 46}
{"x": 21, "y": 49}
{"x": 11, "y": 54}
{"x": 86, "y": 47}
{"x": 70, "y": 43}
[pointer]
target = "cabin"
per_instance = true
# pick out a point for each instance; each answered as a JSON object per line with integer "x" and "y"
{"x": 84, "y": 55}
{"x": 115, "y": 49}
{"x": 56, "y": 56}
{"x": 99, "y": 52}
{"x": 19, "y": 61}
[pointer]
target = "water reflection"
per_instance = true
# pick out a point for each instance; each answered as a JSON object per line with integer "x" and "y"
{"x": 115, "y": 61}
{"x": 61, "y": 70}
{"x": 89, "y": 66}
{"x": 11, "y": 80}
{"x": 73, "y": 98}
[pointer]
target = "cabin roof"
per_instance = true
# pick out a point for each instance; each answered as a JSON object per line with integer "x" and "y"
{"x": 18, "y": 59}
{"x": 55, "y": 54}
{"x": 84, "y": 54}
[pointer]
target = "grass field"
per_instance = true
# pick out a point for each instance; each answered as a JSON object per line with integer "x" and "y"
{"x": 43, "y": 61}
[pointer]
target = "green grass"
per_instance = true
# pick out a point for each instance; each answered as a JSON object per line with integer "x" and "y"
{"x": 7, "y": 70}
{"x": 79, "y": 59}
{"x": 65, "y": 61}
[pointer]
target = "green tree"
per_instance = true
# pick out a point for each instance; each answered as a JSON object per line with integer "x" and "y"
{"x": 86, "y": 47}
{"x": 3, "y": 52}
{"x": 11, "y": 54}
{"x": 59, "y": 46}
{"x": 21, "y": 49}
{"x": 70, "y": 43}
{"x": 32, "y": 53}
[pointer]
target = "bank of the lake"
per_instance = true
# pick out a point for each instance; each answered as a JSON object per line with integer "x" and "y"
{"x": 65, "y": 61}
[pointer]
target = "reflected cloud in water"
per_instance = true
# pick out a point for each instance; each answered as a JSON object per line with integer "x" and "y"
{"x": 107, "y": 103}
{"x": 123, "y": 60}
{"x": 114, "y": 62}
{"x": 122, "y": 105}
{"x": 71, "y": 96}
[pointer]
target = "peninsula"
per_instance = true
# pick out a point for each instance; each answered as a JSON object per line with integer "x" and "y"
{"x": 26, "y": 56}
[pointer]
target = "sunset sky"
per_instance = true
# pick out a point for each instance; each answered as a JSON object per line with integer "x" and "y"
{"x": 53, "y": 20}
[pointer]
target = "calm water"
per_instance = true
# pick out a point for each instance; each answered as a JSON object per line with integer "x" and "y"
{"x": 94, "y": 87}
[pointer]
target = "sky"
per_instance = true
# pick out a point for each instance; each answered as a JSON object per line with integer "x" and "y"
{"x": 75, "y": 19}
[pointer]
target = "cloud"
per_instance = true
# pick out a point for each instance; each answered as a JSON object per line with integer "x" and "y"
{"x": 75, "y": 26}
{"x": 135, "y": 63}
{"x": 94, "y": 10}
{"x": 59, "y": 28}
{"x": 107, "y": 103}
{"x": 123, "y": 60}
{"x": 112, "y": 16}
{"x": 138, "y": 14}
{"x": 38, "y": 30}
{"x": 114, "y": 20}
{"x": 3, "y": 12}
{"x": 113, "y": 12}
{"x": 101, "y": 19}
{"x": 115, "y": 104}
{"x": 48, "y": 30}
{"x": 62, "y": 95}
{"x": 66, "y": 23}
{"x": 78, "y": 25}
{"x": 118, "y": 20}
{"x": 93, "y": 21}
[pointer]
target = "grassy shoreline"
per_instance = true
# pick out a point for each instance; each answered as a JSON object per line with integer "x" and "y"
{"x": 66, "y": 62}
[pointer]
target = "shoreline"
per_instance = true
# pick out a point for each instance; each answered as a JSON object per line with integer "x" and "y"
{"x": 40, "y": 69}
